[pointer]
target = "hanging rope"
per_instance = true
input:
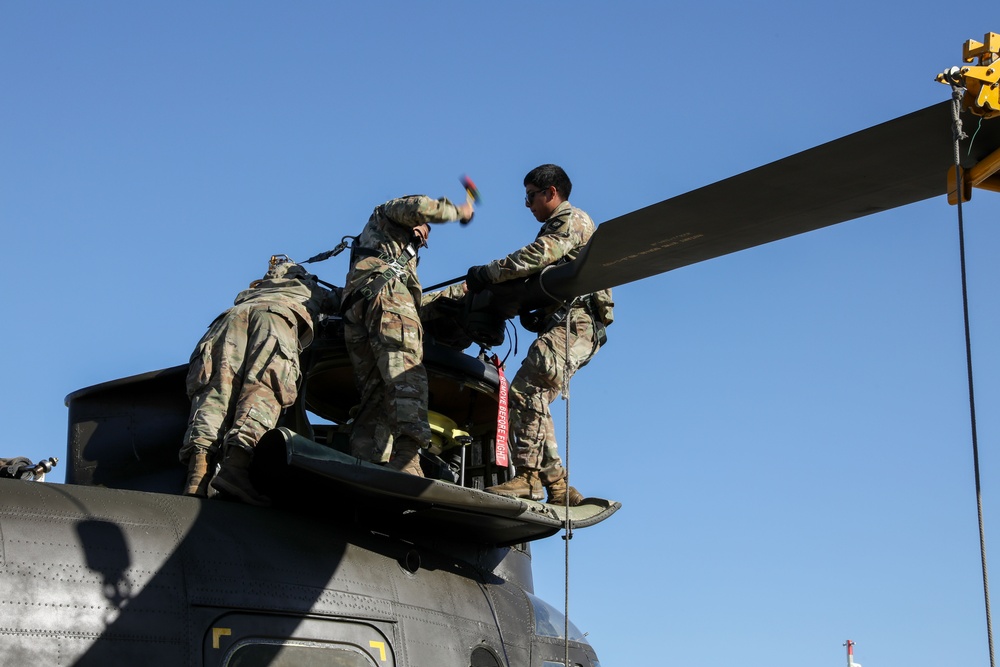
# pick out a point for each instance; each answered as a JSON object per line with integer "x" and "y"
{"x": 958, "y": 135}
{"x": 567, "y": 522}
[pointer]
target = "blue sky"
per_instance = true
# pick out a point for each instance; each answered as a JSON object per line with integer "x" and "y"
{"x": 787, "y": 427}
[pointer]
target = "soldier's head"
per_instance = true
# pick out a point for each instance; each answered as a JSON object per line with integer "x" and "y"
{"x": 286, "y": 269}
{"x": 295, "y": 271}
{"x": 546, "y": 187}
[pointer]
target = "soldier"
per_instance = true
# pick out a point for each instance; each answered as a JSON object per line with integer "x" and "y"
{"x": 244, "y": 370}
{"x": 565, "y": 229}
{"x": 383, "y": 331}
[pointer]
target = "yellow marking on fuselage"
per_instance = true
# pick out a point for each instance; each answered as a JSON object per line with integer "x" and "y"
{"x": 219, "y": 632}
{"x": 381, "y": 649}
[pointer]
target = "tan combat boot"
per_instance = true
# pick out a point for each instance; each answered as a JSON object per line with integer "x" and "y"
{"x": 197, "y": 480}
{"x": 406, "y": 458}
{"x": 526, "y": 484}
{"x": 558, "y": 492}
{"x": 234, "y": 478}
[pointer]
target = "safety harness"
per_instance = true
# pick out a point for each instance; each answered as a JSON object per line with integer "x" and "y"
{"x": 395, "y": 268}
{"x": 536, "y": 321}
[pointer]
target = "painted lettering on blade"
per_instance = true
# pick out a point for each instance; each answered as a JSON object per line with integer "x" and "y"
{"x": 686, "y": 237}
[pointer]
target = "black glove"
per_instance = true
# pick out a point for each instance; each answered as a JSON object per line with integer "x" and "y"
{"x": 477, "y": 279}
{"x": 533, "y": 320}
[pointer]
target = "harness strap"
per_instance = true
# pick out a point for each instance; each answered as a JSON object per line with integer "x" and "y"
{"x": 395, "y": 268}
{"x": 588, "y": 304}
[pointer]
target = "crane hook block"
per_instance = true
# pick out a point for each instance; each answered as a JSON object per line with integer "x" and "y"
{"x": 981, "y": 81}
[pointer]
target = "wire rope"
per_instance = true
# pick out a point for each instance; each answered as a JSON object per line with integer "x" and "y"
{"x": 958, "y": 135}
{"x": 567, "y": 522}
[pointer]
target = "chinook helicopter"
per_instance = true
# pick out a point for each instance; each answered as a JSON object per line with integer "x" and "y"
{"x": 359, "y": 565}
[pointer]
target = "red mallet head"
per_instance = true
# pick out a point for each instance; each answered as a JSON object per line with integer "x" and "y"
{"x": 471, "y": 191}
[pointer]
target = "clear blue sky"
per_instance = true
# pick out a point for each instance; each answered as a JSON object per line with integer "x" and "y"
{"x": 787, "y": 427}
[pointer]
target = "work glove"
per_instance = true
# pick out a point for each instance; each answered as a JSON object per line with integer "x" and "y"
{"x": 477, "y": 278}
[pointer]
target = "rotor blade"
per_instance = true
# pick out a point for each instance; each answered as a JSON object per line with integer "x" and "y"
{"x": 896, "y": 163}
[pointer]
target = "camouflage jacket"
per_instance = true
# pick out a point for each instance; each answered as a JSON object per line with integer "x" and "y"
{"x": 388, "y": 232}
{"x": 561, "y": 236}
{"x": 560, "y": 239}
{"x": 292, "y": 292}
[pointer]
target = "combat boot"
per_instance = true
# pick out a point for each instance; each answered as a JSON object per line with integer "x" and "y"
{"x": 234, "y": 478}
{"x": 406, "y": 458}
{"x": 526, "y": 484}
{"x": 197, "y": 480}
{"x": 559, "y": 490}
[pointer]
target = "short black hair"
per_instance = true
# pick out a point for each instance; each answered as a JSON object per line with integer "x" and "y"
{"x": 548, "y": 175}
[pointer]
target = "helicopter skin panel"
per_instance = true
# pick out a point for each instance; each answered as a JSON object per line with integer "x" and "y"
{"x": 893, "y": 164}
{"x": 293, "y": 469}
{"x": 97, "y": 576}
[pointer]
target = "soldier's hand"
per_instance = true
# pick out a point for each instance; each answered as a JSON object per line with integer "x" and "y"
{"x": 466, "y": 211}
{"x": 421, "y": 232}
{"x": 477, "y": 279}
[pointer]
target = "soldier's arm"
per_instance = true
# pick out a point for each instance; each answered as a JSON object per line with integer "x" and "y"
{"x": 551, "y": 246}
{"x": 456, "y": 291}
{"x": 416, "y": 210}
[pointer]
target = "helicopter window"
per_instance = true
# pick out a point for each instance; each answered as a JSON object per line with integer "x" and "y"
{"x": 550, "y": 622}
{"x": 296, "y": 654}
{"x": 255, "y": 640}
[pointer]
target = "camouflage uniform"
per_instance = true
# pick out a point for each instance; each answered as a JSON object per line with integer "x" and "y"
{"x": 245, "y": 369}
{"x": 540, "y": 378}
{"x": 383, "y": 332}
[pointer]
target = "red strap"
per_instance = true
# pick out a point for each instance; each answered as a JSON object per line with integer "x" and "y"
{"x": 500, "y": 454}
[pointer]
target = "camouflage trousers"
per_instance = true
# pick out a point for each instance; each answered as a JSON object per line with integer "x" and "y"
{"x": 537, "y": 383}
{"x": 385, "y": 341}
{"x": 243, "y": 371}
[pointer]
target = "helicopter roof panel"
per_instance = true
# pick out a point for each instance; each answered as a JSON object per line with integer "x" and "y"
{"x": 295, "y": 470}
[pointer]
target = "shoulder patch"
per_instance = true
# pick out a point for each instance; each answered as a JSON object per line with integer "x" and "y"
{"x": 555, "y": 223}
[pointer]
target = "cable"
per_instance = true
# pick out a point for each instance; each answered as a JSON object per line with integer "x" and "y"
{"x": 567, "y": 522}
{"x": 958, "y": 135}
{"x": 496, "y": 620}
{"x": 512, "y": 346}
{"x": 973, "y": 139}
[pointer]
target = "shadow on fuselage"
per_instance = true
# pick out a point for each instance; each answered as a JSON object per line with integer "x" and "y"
{"x": 140, "y": 575}
{"x": 123, "y": 577}
{"x": 107, "y": 554}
